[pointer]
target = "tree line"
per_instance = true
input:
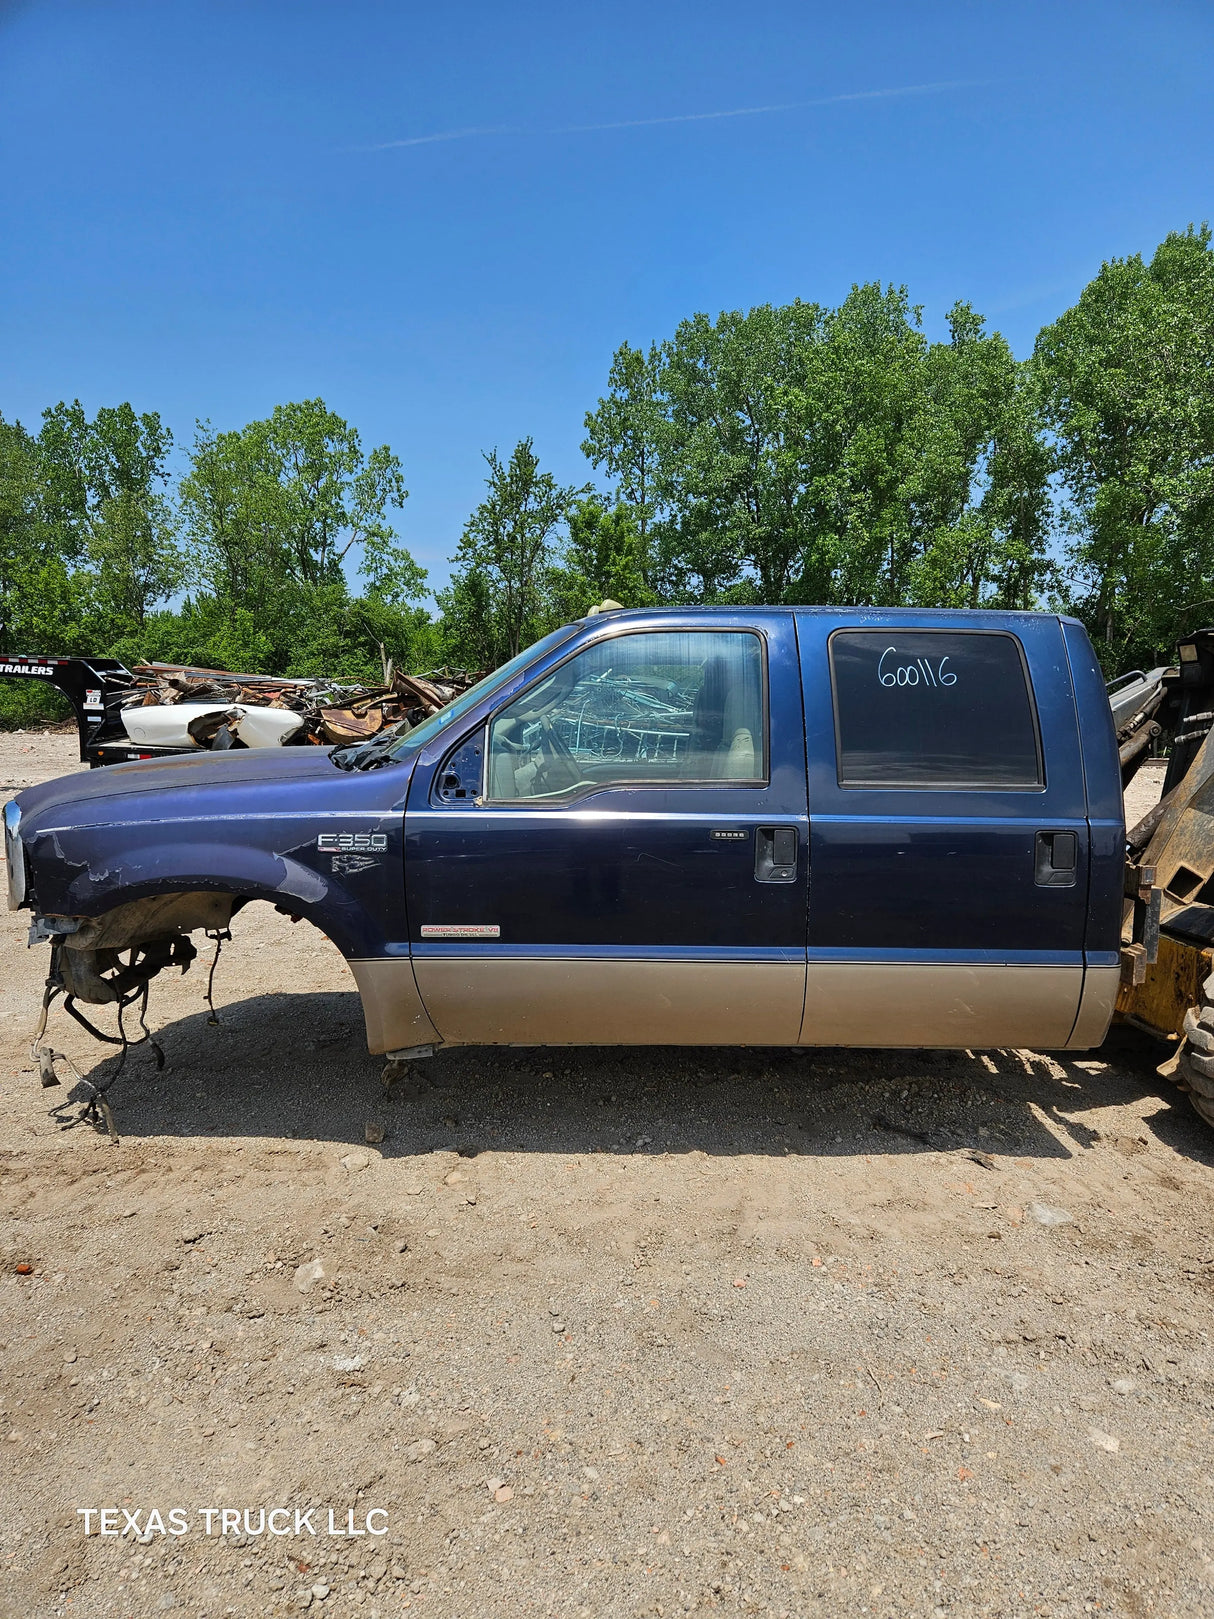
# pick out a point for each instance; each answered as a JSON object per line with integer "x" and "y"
{"x": 789, "y": 454}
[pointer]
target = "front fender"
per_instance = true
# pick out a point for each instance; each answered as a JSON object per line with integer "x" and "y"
{"x": 324, "y": 844}
{"x": 72, "y": 880}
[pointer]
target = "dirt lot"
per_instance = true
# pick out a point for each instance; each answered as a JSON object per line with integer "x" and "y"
{"x": 836, "y": 1333}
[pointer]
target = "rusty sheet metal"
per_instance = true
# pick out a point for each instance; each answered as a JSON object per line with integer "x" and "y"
{"x": 331, "y": 712}
{"x": 346, "y": 725}
{"x": 431, "y": 694}
{"x": 1182, "y": 845}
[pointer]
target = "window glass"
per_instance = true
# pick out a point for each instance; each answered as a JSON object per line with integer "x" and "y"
{"x": 658, "y": 707}
{"x": 919, "y": 708}
{"x": 454, "y": 712}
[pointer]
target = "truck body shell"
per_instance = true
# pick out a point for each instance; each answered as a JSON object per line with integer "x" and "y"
{"x": 673, "y": 826}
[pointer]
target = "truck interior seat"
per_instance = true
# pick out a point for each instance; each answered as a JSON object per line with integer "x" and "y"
{"x": 722, "y": 721}
{"x": 737, "y": 762}
{"x": 708, "y": 721}
{"x": 734, "y": 759}
{"x": 502, "y": 783}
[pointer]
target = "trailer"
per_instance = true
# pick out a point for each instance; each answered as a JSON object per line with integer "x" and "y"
{"x": 94, "y": 687}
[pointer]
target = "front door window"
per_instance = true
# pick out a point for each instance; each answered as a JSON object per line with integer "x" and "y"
{"x": 667, "y": 708}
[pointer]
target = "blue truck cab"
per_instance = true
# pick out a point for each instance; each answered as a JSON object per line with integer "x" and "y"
{"x": 697, "y": 826}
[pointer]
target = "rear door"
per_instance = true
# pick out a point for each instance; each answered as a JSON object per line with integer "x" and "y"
{"x": 630, "y": 865}
{"x": 949, "y": 839}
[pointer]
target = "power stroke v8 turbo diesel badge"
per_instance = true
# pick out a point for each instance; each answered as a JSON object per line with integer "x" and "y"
{"x": 461, "y": 930}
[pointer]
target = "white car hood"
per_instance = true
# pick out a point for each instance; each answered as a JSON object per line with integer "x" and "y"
{"x": 167, "y": 724}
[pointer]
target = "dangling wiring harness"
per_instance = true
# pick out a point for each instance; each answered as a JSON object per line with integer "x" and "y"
{"x": 128, "y": 982}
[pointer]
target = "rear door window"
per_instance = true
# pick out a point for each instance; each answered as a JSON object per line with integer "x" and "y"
{"x": 933, "y": 709}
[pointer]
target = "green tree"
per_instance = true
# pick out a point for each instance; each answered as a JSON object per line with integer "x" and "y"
{"x": 393, "y": 575}
{"x": 850, "y": 417}
{"x": 976, "y": 480}
{"x": 799, "y": 454}
{"x": 229, "y": 508}
{"x": 625, "y": 436}
{"x": 101, "y": 490}
{"x": 273, "y": 511}
{"x": 289, "y": 498}
{"x": 734, "y": 493}
{"x": 329, "y": 498}
{"x": 24, "y": 547}
{"x": 601, "y": 562}
{"x": 507, "y": 548}
{"x": 1126, "y": 380}
{"x": 1017, "y": 505}
{"x": 47, "y": 603}
{"x": 468, "y": 631}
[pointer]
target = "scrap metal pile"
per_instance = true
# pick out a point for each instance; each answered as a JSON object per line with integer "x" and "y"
{"x": 614, "y": 717}
{"x": 177, "y": 706}
{"x": 162, "y": 708}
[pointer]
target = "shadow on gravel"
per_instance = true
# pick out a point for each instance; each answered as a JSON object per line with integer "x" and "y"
{"x": 295, "y": 1066}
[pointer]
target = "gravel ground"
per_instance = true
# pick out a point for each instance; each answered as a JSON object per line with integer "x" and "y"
{"x": 593, "y": 1333}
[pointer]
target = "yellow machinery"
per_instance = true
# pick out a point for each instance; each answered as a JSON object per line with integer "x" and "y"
{"x": 1167, "y": 981}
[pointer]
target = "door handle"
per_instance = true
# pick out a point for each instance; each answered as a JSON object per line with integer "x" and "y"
{"x": 1055, "y": 858}
{"x": 776, "y": 850}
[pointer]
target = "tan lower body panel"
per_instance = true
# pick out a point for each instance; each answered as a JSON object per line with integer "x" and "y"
{"x": 629, "y": 1003}
{"x": 850, "y": 1003}
{"x": 392, "y": 1008}
{"x": 545, "y": 1002}
{"x": 1100, "y": 986}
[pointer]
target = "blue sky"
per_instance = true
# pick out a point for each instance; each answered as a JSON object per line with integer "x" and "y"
{"x": 444, "y": 219}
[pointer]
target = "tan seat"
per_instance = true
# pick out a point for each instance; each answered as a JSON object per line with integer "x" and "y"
{"x": 736, "y": 758}
{"x": 502, "y": 783}
{"x": 739, "y": 763}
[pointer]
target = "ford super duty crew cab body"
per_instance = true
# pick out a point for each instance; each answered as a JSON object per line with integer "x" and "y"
{"x": 671, "y": 826}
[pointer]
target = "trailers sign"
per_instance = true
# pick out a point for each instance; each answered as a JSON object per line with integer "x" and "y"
{"x": 43, "y": 669}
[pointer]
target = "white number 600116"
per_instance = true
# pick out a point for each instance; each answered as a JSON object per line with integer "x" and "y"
{"x": 918, "y": 672}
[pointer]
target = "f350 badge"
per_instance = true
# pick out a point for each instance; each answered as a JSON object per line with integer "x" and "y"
{"x": 352, "y": 842}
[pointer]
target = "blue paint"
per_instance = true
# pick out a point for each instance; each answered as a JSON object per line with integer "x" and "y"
{"x": 930, "y": 868}
{"x": 245, "y": 822}
{"x": 624, "y": 865}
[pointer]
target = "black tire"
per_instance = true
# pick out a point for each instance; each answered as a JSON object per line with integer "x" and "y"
{"x": 1195, "y": 1071}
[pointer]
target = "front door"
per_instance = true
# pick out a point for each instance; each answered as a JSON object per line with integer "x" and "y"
{"x": 949, "y": 850}
{"x": 633, "y": 868}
